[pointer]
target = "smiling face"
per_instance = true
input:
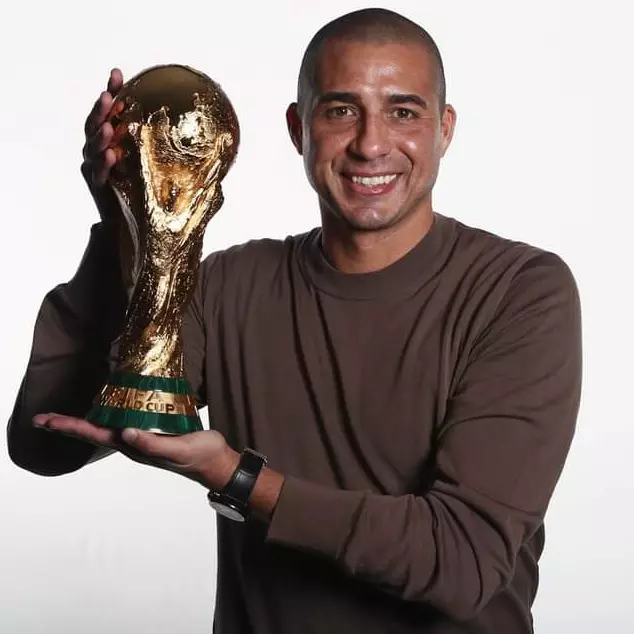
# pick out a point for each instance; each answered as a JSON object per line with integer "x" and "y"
{"x": 372, "y": 133}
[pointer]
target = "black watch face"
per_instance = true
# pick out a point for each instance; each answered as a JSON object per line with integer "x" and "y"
{"x": 227, "y": 511}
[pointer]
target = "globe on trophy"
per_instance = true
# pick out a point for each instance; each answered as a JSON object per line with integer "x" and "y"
{"x": 176, "y": 135}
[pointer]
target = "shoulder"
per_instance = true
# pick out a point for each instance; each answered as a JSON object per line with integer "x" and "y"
{"x": 252, "y": 265}
{"x": 499, "y": 284}
{"x": 494, "y": 259}
{"x": 258, "y": 254}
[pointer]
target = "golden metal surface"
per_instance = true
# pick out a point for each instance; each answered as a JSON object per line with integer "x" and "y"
{"x": 176, "y": 136}
{"x": 152, "y": 401}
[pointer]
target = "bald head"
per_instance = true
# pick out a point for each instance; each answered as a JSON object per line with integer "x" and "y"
{"x": 368, "y": 26}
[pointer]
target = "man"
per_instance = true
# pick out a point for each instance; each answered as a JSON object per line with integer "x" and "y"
{"x": 413, "y": 382}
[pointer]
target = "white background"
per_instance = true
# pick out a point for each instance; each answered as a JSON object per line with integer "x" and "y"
{"x": 542, "y": 153}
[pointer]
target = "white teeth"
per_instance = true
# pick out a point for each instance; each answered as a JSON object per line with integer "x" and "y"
{"x": 373, "y": 181}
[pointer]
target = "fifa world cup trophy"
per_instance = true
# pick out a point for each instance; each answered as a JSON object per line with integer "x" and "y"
{"x": 176, "y": 136}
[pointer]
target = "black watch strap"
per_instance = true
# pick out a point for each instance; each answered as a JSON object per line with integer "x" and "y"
{"x": 242, "y": 481}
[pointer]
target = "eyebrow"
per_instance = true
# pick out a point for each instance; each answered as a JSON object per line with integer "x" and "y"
{"x": 353, "y": 97}
{"x": 398, "y": 99}
{"x": 344, "y": 97}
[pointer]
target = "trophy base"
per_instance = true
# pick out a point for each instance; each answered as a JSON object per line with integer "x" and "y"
{"x": 158, "y": 404}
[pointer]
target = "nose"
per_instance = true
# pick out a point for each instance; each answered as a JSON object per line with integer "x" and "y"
{"x": 372, "y": 138}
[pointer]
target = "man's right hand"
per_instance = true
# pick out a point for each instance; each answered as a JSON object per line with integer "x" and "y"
{"x": 98, "y": 157}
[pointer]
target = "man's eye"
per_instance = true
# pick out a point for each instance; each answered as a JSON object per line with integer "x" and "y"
{"x": 403, "y": 113}
{"x": 339, "y": 112}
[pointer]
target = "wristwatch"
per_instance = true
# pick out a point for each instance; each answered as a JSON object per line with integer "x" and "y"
{"x": 232, "y": 500}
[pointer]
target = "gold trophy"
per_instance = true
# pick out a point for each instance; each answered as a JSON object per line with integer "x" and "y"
{"x": 176, "y": 136}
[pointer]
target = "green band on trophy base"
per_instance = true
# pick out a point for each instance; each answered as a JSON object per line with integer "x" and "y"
{"x": 159, "y": 404}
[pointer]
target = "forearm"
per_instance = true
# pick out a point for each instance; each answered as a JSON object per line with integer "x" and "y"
{"x": 434, "y": 548}
{"x": 69, "y": 360}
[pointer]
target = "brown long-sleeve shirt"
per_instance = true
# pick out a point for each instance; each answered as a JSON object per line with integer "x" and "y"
{"x": 421, "y": 415}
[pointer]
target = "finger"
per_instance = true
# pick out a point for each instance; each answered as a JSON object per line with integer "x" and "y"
{"x": 76, "y": 427}
{"x": 98, "y": 114}
{"x": 102, "y": 105}
{"x": 127, "y": 450}
{"x": 99, "y": 141}
{"x": 115, "y": 82}
{"x": 96, "y": 172}
{"x": 166, "y": 448}
{"x": 102, "y": 171}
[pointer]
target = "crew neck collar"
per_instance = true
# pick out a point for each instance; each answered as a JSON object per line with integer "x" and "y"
{"x": 405, "y": 275}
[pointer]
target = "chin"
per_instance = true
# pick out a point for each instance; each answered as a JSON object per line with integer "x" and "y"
{"x": 354, "y": 215}
{"x": 369, "y": 219}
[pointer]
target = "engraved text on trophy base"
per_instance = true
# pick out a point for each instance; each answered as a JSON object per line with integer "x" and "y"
{"x": 147, "y": 400}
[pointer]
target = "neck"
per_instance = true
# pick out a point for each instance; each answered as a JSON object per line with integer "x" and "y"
{"x": 351, "y": 251}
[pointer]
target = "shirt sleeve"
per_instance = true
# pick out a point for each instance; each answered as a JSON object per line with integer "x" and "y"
{"x": 69, "y": 358}
{"x": 501, "y": 450}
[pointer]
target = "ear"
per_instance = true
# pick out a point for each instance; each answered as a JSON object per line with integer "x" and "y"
{"x": 294, "y": 123}
{"x": 447, "y": 127}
